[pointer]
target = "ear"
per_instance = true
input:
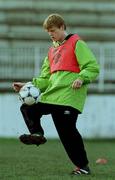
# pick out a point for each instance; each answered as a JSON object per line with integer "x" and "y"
{"x": 62, "y": 27}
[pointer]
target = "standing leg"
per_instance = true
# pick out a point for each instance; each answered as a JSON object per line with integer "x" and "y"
{"x": 65, "y": 123}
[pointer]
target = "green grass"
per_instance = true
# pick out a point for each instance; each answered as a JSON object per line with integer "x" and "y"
{"x": 50, "y": 162}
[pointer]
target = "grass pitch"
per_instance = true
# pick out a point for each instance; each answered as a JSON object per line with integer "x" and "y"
{"x": 50, "y": 162}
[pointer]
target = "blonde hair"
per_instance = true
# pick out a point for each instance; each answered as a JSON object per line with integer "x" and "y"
{"x": 54, "y": 20}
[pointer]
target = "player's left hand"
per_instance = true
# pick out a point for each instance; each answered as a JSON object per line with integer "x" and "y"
{"x": 77, "y": 83}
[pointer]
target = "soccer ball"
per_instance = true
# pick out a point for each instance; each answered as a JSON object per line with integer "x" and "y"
{"x": 29, "y": 94}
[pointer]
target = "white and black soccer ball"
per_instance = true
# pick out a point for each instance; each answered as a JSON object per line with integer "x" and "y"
{"x": 29, "y": 94}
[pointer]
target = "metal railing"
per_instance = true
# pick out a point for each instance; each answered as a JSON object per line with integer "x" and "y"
{"x": 23, "y": 63}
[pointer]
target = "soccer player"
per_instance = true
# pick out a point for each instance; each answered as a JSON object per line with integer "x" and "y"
{"x": 66, "y": 72}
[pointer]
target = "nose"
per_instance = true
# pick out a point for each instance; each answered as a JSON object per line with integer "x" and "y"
{"x": 50, "y": 33}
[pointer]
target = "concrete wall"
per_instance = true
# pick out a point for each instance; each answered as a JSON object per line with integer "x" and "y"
{"x": 97, "y": 120}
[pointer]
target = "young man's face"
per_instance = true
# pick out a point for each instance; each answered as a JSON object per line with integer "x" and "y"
{"x": 56, "y": 34}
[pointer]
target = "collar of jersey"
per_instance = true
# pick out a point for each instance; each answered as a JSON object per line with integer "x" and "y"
{"x": 57, "y": 43}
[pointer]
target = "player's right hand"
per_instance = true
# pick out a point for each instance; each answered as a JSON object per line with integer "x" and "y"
{"x": 17, "y": 86}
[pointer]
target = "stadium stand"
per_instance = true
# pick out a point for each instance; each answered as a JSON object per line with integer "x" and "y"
{"x": 24, "y": 44}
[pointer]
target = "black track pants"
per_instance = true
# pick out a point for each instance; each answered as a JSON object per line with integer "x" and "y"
{"x": 64, "y": 118}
